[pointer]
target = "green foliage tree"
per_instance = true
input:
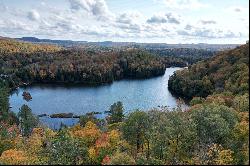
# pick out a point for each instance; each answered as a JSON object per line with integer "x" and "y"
{"x": 121, "y": 159}
{"x": 196, "y": 100}
{"x": 6, "y": 115}
{"x": 86, "y": 118}
{"x": 116, "y": 113}
{"x": 172, "y": 136}
{"x": 64, "y": 150}
{"x": 214, "y": 123}
{"x": 27, "y": 120}
{"x": 4, "y": 102}
{"x": 135, "y": 129}
{"x": 241, "y": 103}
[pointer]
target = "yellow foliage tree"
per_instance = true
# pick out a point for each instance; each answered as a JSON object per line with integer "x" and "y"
{"x": 90, "y": 133}
{"x": 14, "y": 157}
{"x": 219, "y": 156}
{"x": 224, "y": 157}
{"x": 114, "y": 136}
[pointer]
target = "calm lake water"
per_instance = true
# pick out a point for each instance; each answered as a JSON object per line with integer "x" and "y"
{"x": 134, "y": 94}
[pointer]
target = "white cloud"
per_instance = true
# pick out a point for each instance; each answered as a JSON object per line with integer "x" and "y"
{"x": 128, "y": 17}
{"x": 129, "y": 22}
{"x": 183, "y": 4}
{"x": 3, "y": 8}
{"x": 172, "y": 19}
{"x": 204, "y": 22}
{"x": 96, "y": 8}
{"x": 43, "y": 3}
{"x": 16, "y": 26}
{"x": 237, "y": 9}
{"x": 205, "y": 32}
{"x": 188, "y": 27}
{"x": 166, "y": 18}
{"x": 157, "y": 19}
{"x": 92, "y": 20}
{"x": 33, "y": 15}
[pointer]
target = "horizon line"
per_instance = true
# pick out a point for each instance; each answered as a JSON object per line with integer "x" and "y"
{"x": 72, "y": 40}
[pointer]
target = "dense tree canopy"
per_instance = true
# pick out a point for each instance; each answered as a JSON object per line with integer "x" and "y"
{"x": 189, "y": 55}
{"x": 227, "y": 71}
{"x": 29, "y": 63}
{"x": 213, "y": 130}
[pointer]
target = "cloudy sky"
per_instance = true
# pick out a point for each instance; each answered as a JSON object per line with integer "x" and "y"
{"x": 158, "y": 21}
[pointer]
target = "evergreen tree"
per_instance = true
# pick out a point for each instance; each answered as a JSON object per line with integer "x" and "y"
{"x": 27, "y": 120}
{"x": 116, "y": 113}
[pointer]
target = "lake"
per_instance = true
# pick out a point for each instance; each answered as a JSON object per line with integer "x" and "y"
{"x": 134, "y": 94}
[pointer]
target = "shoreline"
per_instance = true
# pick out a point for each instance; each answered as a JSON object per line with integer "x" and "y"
{"x": 60, "y": 114}
{"x": 86, "y": 83}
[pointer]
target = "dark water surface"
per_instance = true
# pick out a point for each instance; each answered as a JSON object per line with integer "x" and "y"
{"x": 134, "y": 94}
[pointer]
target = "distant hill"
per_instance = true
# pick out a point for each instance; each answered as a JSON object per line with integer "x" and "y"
{"x": 70, "y": 43}
{"x": 10, "y": 46}
{"x": 64, "y": 43}
{"x": 226, "y": 71}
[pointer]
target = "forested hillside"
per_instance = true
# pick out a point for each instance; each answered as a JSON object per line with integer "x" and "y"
{"x": 189, "y": 55}
{"x": 29, "y": 63}
{"x": 25, "y": 63}
{"x": 227, "y": 71}
{"x": 11, "y": 46}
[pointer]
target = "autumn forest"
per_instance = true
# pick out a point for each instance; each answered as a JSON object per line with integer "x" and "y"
{"x": 213, "y": 130}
